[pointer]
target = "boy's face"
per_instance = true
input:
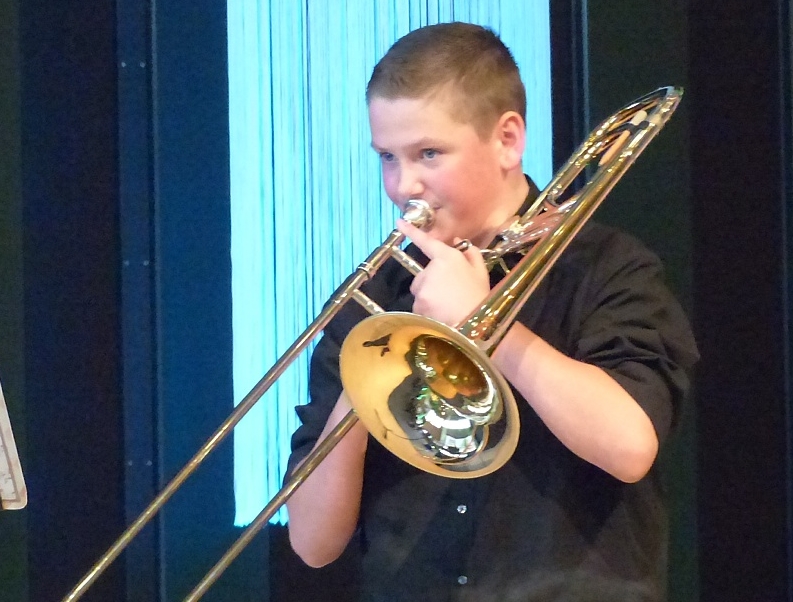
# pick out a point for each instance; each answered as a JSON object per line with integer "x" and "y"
{"x": 426, "y": 154}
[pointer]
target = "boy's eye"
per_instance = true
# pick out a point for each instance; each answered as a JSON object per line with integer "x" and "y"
{"x": 429, "y": 153}
{"x": 386, "y": 157}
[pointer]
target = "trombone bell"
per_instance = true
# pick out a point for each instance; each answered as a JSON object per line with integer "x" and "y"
{"x": 429, "y": 395}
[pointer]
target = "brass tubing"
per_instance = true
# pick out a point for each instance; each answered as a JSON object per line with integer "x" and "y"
{"x": 311, "y": 461}
{"x": 487, "y": 325}
{"x": 454, "y": 377}
{"x": 343, "y": 293}
{"x": 482, "y": 330}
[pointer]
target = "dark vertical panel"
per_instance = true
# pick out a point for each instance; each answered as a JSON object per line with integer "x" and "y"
{"x": 193, "y": 279}
{"x": 786, "y": 46}
{"x": 566, "y": 77}
{"x": 137, "y": 294}
{"x": 13, "y": 525}
{"x": 69, "y": 190}
{"x": 742, "y": 317}
{"x": 634, "y": 48}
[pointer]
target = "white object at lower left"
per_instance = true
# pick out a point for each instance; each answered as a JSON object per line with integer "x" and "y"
{"x": 13, "y": 493}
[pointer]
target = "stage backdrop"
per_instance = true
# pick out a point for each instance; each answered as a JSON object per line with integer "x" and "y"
{"x": 307, "y": 203}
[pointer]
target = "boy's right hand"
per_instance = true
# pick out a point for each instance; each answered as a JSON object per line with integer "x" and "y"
{"x": 453, "y": 284}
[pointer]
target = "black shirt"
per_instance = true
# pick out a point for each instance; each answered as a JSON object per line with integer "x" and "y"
{"x": 547, "y": 525}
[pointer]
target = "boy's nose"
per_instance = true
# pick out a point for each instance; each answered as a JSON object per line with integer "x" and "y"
{"x": 410, "y": 185}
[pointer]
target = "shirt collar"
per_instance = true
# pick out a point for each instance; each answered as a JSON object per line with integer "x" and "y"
{"x": 534, "y": 192}
{"x": 531, "y": 196}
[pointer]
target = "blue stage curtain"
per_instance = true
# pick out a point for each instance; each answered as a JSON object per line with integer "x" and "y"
{"x": 307, "y": 203}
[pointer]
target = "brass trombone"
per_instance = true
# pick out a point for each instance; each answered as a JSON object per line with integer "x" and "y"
{"x": 437, "y": 392}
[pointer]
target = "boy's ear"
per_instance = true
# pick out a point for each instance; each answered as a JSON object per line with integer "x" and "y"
{"x": 511, "y": 136}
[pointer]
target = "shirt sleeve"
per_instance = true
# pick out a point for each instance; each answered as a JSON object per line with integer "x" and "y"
{"x": 324, "y": 390}
{"x": 636, "y": 330}
{"x": 390, "y": 288}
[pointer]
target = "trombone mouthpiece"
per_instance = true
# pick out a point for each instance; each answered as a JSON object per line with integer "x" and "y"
{"x": 419, "y": 213}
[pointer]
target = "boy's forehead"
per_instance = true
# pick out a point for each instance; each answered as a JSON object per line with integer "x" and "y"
{"x": 428, "y": 108}
{"x": 408, "y": 122}
{"x": 424, "y": 102}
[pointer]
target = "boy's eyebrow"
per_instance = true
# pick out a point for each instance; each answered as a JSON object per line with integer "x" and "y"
{"x": 426, "y": 142}
{"x": 422, "y": 143}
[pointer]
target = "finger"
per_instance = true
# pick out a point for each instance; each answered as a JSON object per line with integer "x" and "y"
{"x": 428, "y": 245}
{"x": 415, "y": 285}
{"x": 470, "y": 251}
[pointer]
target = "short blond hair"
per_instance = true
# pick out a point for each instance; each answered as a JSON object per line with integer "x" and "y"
{"x": 469, "y": 63}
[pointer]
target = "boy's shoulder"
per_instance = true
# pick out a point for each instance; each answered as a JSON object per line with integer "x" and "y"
{"x": 601, "y": 256}
{"x": 600, "y": 243}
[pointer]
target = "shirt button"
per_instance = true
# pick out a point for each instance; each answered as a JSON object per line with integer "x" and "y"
{"x": 462, "y": 579}
{"x": 462, "y": 508}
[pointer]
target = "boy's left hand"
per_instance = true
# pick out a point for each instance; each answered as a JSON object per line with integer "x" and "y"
{"x": 453, "y": 284}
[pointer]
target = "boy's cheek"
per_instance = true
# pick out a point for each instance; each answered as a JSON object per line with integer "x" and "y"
{"x": 389, "y": 183}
